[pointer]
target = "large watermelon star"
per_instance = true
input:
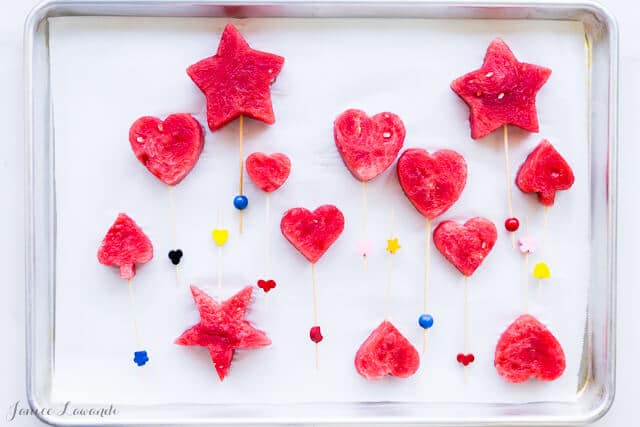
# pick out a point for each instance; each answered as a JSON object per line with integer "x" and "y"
{"x": 222, "y": 328}
{"x": 501, "y": 92}
{"x": 236, "y": 80}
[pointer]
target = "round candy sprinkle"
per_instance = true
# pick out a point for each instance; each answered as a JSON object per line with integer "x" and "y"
{"x": 140, "y": 357}
{"x": 240, "y": 202}
{"x": 425, "y": 321}
{"x": 175, "y": 256}
{"x": 315, "y": 334}
{"x": 511, "y": 224}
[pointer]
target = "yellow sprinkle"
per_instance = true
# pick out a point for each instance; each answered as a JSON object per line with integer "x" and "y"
{"x": 220, "y": 236}
{"x": 393, "y": 245}
{"x": 541, "y": 271}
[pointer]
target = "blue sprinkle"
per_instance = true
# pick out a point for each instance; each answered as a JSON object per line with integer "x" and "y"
{"x": 425, "y": 321}
{"x": 140, "y": 357}
{"x": 240, "y": 202}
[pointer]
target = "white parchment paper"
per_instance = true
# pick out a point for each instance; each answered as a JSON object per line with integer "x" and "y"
{"x": 106, "y": 72}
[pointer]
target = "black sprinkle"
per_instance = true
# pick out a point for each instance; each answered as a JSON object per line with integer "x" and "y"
{"x": 175, "y": 256}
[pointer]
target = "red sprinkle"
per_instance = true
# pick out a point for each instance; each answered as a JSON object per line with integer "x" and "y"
{"x": 266, "y": 285}
{"x": 511, "y": 224}
{"x": 465, "y": 359}
{"x": 315, "y": 334}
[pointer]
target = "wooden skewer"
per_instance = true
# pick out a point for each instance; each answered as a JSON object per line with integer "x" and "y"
{"x": 390, "y": 267}
{"x": 174, "y": 228}
{"x": 133, "y": 314}
{"x": 466, "y": 323}
{"x": 526, "y": 268}
{"x": 241, "y": 158}
{"x": 427, "y": 265}
{"x": 267, "y": 220}
{"x": 507, "y": 172}
{"x": 364, "y": 223}
{"x": 315, "y": 308}
{"x": 219, "y": 268}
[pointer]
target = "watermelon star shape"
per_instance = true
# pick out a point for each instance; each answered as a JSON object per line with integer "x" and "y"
{"x": 501, "y": 92}
{"x": 223, "y": 328}
{"x": 236, "y": 80}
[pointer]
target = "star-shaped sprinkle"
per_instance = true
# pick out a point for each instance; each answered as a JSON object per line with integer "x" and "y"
{"x": 236, "y": 80}
{"x": 502, "y": 91}
{"x": 393, "y": 245}
{"x": 222, "y": 328}
{"x": 527, "y": 245}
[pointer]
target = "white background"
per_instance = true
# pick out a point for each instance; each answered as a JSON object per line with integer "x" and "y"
{"x": 12, "y": 251}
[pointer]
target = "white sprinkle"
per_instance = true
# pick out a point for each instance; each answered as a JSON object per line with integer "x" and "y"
{"x": 387, "y": 134}
{"x": 270, "y": 71}
{"x": 160, "y": 128}
{"x": 484, "y": 245}
{"x": 501, "y": 95}
{"x": 140, "y": 139}
{"x": 489, "y": 74}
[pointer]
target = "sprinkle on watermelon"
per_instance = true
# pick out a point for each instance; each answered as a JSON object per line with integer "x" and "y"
{"x": 124, "y": 246}
{"x": 223, "y": 329}
{"x": 544, "y": 172}
{"x": 236, "y": 80}
{"x": 465, "y": 245}
{"x": 268, "y": 172}
{"x": 527, "y": 349}
{"x": 312, "y": 233}
{"x": 386, "y": 352}
{"x": 368, "y": 145}
{"x": 503, "y": 91}
{"x": 432, "y": 182}
{"x": 169, "y": 149}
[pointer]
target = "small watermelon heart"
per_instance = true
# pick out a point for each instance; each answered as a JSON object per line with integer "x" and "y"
{"x": 465, "y": 245}
{"x": 544, "y": 172}
{"x": 312, "y": 233}
{"x": 386, "y": 352}
{"x": 169, "y": 149}
{"x": 368, "y": 145}
{"x": 268, "y": 172}
{"x": 432, "y": 182}
{"x": 527, "y": 349}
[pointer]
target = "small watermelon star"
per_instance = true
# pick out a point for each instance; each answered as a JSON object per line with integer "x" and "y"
{"x": 393, "y": 245}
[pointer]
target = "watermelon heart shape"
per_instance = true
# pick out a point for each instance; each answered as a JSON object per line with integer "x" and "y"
{"x": 368, "y": 145}
{"x": 386, "y": 352}
{"x": 169, "y": 149}
{"x": 312, "y": 233}
{"x": 465, "y": 245}
{"x": 528, "y": 349}
{"x": 432, "y": 182}
{"x": 544, "y": 172}
{"x": 268, "y": 172}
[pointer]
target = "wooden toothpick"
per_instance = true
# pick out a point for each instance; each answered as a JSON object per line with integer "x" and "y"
{"x": 507, "y": 173}
{"x": 427, "y": 265}
{"x": 315, "y": 309}
{"x": 241, "y": 161}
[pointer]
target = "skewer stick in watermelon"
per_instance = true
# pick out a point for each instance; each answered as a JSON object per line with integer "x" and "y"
{"x": 169, "y": 149}
{"x": 500, "y": 93}
{"x": 236, "y": 82}
{"x": 433, "y": 182}
{"x": 124, "y": 246}
{"x": 368, "y": 146}
{"x": 312, "y": 233}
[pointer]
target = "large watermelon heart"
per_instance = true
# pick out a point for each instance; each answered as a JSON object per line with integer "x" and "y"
{"x": 236, "y": 80}
{"x": 527, "y": 349}
{"x": 502, "y": 91}
{"x": 465, "y": 245}
{"x": 312, "y": 233}
{"x": 433, "y": 182}
{"x": 368, "y": 145}
{"x": 169, "y": 149}
{"x": 386, "y": 352}
{"x": 544, "y": 172}
{"x": 124, "y": 246}
{"x": 268, "y": 172}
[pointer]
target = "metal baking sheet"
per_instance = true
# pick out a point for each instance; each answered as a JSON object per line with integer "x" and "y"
{"x": 596, "y": 389}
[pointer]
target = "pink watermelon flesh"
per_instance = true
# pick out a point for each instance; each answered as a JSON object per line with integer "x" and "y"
{"x": 236, "y": 80}
{"x": 222, "y": 328}
{"x": 169, "y": 149}
{"x": 465, "y": 245}
{"x": 268, "y": 172}
{"x": 432, "y": 182}
{"x": 527, "y": 349}
{"x": 312, "y": 233}
{"x": 386, "y": 352}
{"x": 503, "y": 91}
{"x": 124, "y": 246}
{"x": 368, "y": 145}
{"x": 544, "y": 172}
